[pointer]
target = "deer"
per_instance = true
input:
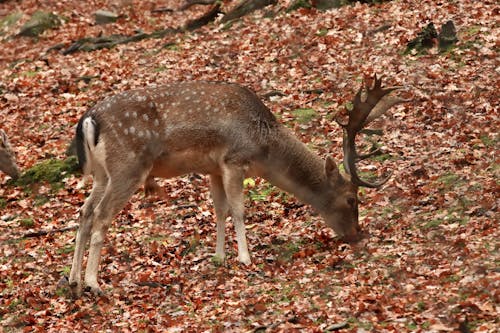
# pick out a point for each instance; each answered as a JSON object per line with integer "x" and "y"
{"x": 7, "y": 158}
{"x": 219, "y": 129}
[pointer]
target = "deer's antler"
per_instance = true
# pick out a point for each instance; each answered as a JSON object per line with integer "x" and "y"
{"x": 376, "y": 103}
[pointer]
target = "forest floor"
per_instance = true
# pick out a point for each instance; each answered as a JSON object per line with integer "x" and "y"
{"x": 430, "y": 261}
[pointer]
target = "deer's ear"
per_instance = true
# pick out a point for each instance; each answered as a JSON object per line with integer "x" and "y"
{"x": 331, "y": 170}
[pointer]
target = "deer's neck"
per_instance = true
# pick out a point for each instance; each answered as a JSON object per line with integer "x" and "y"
{"x": 291, "y": 166}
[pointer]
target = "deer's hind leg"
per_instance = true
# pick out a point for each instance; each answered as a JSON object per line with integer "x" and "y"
{"x": 83, "y": 234}
{"x": 121, "y": 186}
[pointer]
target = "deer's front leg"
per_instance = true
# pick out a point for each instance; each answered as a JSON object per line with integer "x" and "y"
{"x": 221, "y": 211}
{"x": 232, "y": 178}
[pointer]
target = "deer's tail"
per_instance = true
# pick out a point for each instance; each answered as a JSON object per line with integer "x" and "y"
{"x": 86, "y": 137}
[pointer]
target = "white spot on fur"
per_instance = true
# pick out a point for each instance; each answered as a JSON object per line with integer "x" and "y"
{"x": 132, "y": 130}
{"x": 120, "y": 124}
{"x": 134, "y": 114}
{"x": 140, "y": 134}
{"x": 127, "y": 114}
{"x": 145, "y": 117}
{"x": 156, "y": 122}
{"x": 125, "y": 131}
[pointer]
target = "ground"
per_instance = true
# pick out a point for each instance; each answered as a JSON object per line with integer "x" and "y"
{"x": 430, "y": 260}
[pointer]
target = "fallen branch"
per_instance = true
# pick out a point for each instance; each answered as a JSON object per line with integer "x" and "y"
{"x": 49, "y": 232}
{"x": 153, "y": 284}
{"x": 190, "y": 3}
{"x": 162, "y": 10}
{"x": 106, "y": 42}
{"x": 245, "y": 7}
{"x": 204, "y": 19}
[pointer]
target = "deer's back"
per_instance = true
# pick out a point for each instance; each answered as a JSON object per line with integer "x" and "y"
{"x": 184, "y": 126}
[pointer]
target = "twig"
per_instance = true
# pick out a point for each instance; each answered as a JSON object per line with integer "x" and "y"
{"x": 49, "y": 232}
{"x": 190, "y": 3}
{"x": 153, "y": 284}
{"x": 162, "y": 10}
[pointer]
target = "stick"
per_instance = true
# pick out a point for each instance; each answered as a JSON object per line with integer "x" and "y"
{"x": 49, "y": 232}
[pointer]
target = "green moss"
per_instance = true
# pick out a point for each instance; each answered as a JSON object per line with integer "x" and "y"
{"x": 8, "y": 21}
{"x": 26, "y": 223}
{"x": 299, "y": 4}
{"x": 52, "y": 171}
{"x": 304, "y": 116}
{"x": 67, "y": 249}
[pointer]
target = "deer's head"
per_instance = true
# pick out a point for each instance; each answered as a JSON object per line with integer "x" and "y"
{"x": 7, "y": 159}
{"x": 340, "y": 210}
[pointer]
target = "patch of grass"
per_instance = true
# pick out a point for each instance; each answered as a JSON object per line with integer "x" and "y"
{"x": 9, "y": 20}
{"x": 26, "y": 223}
{"x": 381, "y": 157}
{"x": 472, "y": 30}
{"x": 488, "y": 141}
{"x": 66, "y": 270}
{"x": 412, "y": 326}
{"x": 3, "y": 203}
{"x": 259, "y": 193}
{"x": 30, "y": 74}
{"x": 433, "y": 224}
{"x": 66, "y": 249}
{"x": 160, "y": 69}
{"x": 41, "y": 200}
{"x": 217, "y": 261}
{"x": 361, "y": 324}
{"x": 304, "y": 116}
{"x": 286, "y": 251}
{"x": 450, "y": 180}
{"x": 52, "y": 171}
{"x": 322, "y": 32}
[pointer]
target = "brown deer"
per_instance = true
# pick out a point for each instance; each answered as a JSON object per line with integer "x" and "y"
{"x": 7, "y": 159}
{"x": 219, "y": 129}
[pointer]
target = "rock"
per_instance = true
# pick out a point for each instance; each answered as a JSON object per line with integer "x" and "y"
{"x": 447, "y": 37}
{"x": 105, "y": 16}
{"x": 38, "y": 23}
{"x": 327, "y": 4}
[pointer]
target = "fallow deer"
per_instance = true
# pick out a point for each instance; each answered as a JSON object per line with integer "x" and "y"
{"x": 219, "y": 129}
{"x": 7, "y": 159}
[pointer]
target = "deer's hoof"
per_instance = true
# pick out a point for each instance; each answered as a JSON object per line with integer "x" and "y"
{"x": 94, "y": 290}
{"x": 75, "y": 289}
{"x": 245, "y": 260}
